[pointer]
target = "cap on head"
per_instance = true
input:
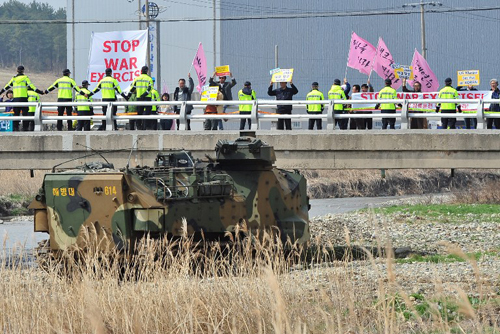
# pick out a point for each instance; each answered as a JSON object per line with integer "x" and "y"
{"x": 144, "y": 70}
{"x": 20, "y": 68}
{"x": 336, "y": 82}
{"x": 248, "y": 83}
{"x": 66, "y": 71}
{"x": 315, "y": 84}
{"x": 388, "y": 81}
{"x": 85, "y": 83}
{"x": 109, "y": 71}
{"x": 447, "y": 81}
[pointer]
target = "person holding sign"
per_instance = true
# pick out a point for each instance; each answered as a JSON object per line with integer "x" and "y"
{"x": 183, "y": 93}
{"x": 226, "y": 90}
{"x": 315, "y": 109}
{"x": 494, "y": 107}
{"x": 211, "y": 123}
{"x": 448, "y": 92}
{"x": 283, "y": 93}
{"x": 387, "y": 93}
{"x": 415, "y": 123}
{"x": 246, "y": 94}
{"x": 470, "y": 123}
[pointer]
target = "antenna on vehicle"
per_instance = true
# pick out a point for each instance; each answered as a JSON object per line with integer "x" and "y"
{"x": 96, "y": 152}
{"x": 130, "y": 154}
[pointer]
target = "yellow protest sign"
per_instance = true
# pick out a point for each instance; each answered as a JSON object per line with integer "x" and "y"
{"x": 222, "y": 71}
{"x": 210, "y": 94}
{"x": 404, "y": 72}
{"x": 283, "y": 75}
{"x": 468, "y": 78}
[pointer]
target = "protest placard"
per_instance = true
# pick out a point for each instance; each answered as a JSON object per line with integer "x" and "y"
{"x": 222, "y": 71}
{"x": 210, "y": 94}
{"x": 274, "y": 70}
{"x": 284, "y": 75}
{"x": 404, "y": 72}
{"x": 468, "y": 78}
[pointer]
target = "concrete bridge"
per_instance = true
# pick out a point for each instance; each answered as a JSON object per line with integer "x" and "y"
{"x": 294, "y": 149}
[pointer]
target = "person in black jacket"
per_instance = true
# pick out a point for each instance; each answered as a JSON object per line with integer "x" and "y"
{"x": 183, "y": 93}
{"x": 415, "y": 123}
{"x": 283, "y": 93}
{"x": 470, "y": 123}
{"x": 225, "y": 87}
{"x": 494, "y": 107}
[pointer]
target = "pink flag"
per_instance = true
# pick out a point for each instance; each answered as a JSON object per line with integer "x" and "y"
{"x": 423, "y": 74}
{"x": 200, "y": 65}
{"x": 361, "y": 54}
{"x": 383, "y": 62}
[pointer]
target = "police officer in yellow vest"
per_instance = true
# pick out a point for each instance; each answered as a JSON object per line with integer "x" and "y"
{"x": 246, "y": 94}
{"x": 155, "y": 96}
{"x": 315, "y": 109}
{"x": 387, "y": 93}
{"x": 448, "y": 92}
{"x": 337, "y": 93}
{"x": 109, "y": 86}
{"x": 65, "y": 86}
{"x": 32, "y": 97}
{"x": 84, "y": 110}
{"x": 142, "y": 86}
{"x": 20, "y": 84}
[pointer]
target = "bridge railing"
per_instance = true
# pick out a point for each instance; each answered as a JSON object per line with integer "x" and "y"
{"x": 262, "y": 111}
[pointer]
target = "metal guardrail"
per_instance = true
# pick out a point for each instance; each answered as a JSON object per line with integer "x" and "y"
{"x": 257, "y": 105}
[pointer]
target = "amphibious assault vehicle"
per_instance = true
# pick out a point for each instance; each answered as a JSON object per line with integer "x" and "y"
{"x": 179, "y": 195}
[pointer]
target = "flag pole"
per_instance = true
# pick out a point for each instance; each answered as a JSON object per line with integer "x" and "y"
{"x": 373, "y": 60}
{"x": 194, "y": 58}
{"x": 348, "y": 55}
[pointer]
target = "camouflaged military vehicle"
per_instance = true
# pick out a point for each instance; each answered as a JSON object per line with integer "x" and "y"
{"x": 239, "y": 186}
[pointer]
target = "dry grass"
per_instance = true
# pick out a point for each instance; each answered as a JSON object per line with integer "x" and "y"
{"x": 41, "y": 80}
{"x": 251, "y": 289}
{"x": 19, "y": 182}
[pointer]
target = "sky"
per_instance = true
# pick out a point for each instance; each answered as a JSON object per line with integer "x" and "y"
{"x": 54, "y": 3}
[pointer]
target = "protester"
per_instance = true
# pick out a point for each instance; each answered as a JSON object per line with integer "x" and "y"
{"x": 494, "y": 107}
{"x": 142, "y": 86}
{"x": 20, "y": 84}
{"x": 166, "y": 124}
{"x": 226, "y": 91}
{"x": 84, "y": 110}
{"x": 8, "y": 97}
{"x": 415, "y": 123}
{"x": 448, "y": 92}
{"x": 362, "y": 123}
{"x": 315, "y": 109}
{"x": 110, "y": 87}
{"x": 183, "y": 93}
{"x": 470, "y": 123}
{"x": 211, "y": 123}
{"x": 337, "y": 93}
{"x": 65, "y": 86}
{"x": 246, "y": 94}
{"x": 283, "y": 93}
{"x": 387, "y": 93}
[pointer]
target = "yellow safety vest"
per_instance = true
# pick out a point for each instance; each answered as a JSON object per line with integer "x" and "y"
{"x": 142, "y": 84}
{"x": 155, "y": 96}
{"x": 109, "y": 86}
{"x": 337, "y": 93}
{"x": 387, "y": 93}
{"x": 82, "y": 98}
{"x": 315, "y": 95}
{"x": 20, "y": 84}
{"x": 246, "y": 108}
{"x": 33, "y": 97}
{"x": 448, "y": 92}
{"x": 65, "y": 86}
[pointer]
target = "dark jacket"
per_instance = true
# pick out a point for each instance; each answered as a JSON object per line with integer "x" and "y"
{"x": 283, "y": 94}
{"x": 406, "y": 90}
{"x": 7, "y": 109}
{"x": 226, "y": 87}
{"x": 495, "y": 95}
{"x": 187, "y": 91}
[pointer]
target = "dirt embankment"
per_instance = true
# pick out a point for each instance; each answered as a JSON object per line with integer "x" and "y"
{"x": 370, "y": 183}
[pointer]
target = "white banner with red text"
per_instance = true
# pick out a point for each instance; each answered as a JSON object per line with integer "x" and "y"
{"x": 425, "y": 107}
{"x": 124, "y": 52}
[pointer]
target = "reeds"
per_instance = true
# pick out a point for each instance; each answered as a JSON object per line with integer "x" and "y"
{"x": 249, "y": 285}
